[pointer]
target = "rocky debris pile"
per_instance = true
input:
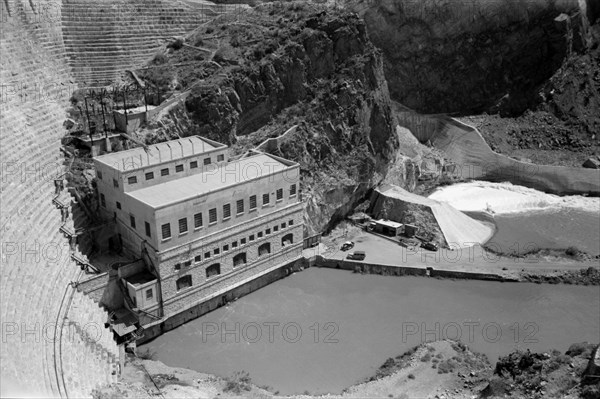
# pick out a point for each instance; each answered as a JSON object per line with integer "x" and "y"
{"x": 589, "y": 276}
{"x": 523, "y": 374}
{"x": 592, "y": 162}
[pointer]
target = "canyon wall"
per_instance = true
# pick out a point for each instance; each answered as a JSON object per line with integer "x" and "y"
{"x": 293, "y": 65}
{"x": 469, "y": 56}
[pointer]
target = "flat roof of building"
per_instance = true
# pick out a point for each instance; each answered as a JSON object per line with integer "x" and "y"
{"x": 222, "y": 176}
{"x": 140, "y": 278}
{"x": 389, "y": 223}
{"x": 137, "y": 158}
{"x": 136, "y": 110}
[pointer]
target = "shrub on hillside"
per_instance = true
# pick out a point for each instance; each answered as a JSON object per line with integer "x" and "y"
{"x": 159, "y": 59}
{"x": 590, "y": 391}
{"x": 579, "y": 348}
{"x": 146, "y": 354}
{"x": 238, "y": 383}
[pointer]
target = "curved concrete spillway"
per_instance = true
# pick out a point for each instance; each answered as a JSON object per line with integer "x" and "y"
{"x": 54, "y": 343}
{"x": 472, "y": 158}
{"x": 458, "y": 229}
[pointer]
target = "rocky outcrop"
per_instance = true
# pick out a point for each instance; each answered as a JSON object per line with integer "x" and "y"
{"x": 313, "y": 69}
{"x": 452, "y": 56}
{"x": 525, "y": 374}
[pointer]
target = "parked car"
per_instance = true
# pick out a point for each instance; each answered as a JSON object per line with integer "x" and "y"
{"x": 409, "y": 242}
{"x": 431, "y": 246}
{"x": 357, "y": 255}
{"x": 347, "y": 245}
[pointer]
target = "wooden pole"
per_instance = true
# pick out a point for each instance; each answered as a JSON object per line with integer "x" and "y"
{"x": 145, "y": 100}
{"x": 87, "y": 112}
{"x": 103, "y": 119}
{"x": 125, "y": 109}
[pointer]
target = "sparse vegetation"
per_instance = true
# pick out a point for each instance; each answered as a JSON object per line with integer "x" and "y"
{"x": 239, "y": 383}
{"x": 573, "y": 251}
{"x": 159, "y": 59}
{"x": 146, "y": 354}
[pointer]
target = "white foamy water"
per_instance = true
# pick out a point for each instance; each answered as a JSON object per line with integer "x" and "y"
{"x": 501, "y": 198}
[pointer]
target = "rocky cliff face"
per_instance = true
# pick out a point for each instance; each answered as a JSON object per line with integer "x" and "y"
{"x": 295, "y": 65}
{"x": 467, "y": 57}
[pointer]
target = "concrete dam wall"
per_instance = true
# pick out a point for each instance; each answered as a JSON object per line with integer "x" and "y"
{"x": 474, "y": 159}
{"x": 54, "y": 340}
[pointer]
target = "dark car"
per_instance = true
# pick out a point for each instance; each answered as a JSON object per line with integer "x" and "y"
{"x": 357, "y": 255}
{"x": 431, "y": 246}
{"x": 347, "y": 245}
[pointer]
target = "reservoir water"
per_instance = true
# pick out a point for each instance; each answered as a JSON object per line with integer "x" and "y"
{"x": 322, "y": 330}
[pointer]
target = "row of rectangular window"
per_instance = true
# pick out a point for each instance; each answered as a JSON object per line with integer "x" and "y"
{"x": 186, "y": 281}
{"x": 163, "y": 172}
{"x": 212, "y": 215}
{"x": 183, "y": 228}
{"x": 238, "y": 260}
{"x": 198, "y": 222}
{"x": 234, "y": 244}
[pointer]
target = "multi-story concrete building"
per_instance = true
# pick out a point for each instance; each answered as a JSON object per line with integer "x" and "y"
{"x": 201, "y": 224}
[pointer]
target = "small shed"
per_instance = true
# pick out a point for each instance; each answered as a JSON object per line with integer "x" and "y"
{"x": 387, "y": 227}
{"x": 100, "y": 142}
{"x": 129, "y": 120}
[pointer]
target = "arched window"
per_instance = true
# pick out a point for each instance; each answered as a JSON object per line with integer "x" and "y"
{"x": 239, "y": 259}
{"x": 264, "y": 249}
{"x": 213, "y": 270}
{"x": 184, "y": 282}
{"x": 287, "y": 239}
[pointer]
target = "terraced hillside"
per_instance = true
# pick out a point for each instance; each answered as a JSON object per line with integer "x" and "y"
{"x": 54, "y": 341}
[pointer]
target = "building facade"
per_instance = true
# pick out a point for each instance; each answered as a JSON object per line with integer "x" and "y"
{"x": 202, "y": 223}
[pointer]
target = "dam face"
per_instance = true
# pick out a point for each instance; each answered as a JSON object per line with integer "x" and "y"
{"x": 54, "y": 340}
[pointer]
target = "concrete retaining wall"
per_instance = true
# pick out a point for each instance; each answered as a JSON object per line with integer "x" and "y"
{"x": 393, "y": 270}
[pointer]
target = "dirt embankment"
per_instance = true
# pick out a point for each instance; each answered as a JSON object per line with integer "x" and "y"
{"x": 442, "y": 369}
